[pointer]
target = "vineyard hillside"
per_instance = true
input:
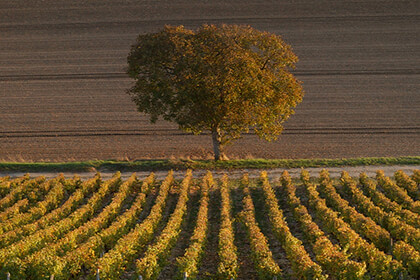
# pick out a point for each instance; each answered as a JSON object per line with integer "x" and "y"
{"x": 211, "y": 227}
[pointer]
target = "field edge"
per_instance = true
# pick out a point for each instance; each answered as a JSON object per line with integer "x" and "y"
{"x": 181, "y": 164}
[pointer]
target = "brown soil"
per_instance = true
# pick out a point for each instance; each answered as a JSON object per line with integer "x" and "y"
{"x": 170, "y": 269}
{"x": 63, "y": 84}
{"x": 245, "y": 261}
{"x": 276, "y": 248}
{"x": 208, "y": 267}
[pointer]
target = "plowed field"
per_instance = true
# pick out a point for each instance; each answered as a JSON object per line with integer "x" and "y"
{"x": 62, "y": 81}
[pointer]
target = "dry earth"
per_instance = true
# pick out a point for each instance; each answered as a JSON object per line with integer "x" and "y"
{"x": 275, "y": 173}
{"x": 62, "y": 81}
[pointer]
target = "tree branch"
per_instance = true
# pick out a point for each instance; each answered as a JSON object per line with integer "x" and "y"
{"x": 167, "y": 69}
{"x": 265, "y": 64}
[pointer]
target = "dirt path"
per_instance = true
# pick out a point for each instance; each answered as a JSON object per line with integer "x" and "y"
{"x": 273, "y": 173}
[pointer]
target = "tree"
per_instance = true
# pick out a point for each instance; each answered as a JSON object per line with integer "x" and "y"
{"x": 224, "y": 79}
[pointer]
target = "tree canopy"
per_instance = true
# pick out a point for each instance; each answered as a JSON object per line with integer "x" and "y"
{"x": 225, "y": 79}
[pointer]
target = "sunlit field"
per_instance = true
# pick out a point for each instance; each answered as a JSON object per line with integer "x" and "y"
{"x": 211, "y": 227}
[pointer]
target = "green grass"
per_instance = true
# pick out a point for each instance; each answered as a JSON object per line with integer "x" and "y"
{"x": 153, "y": 165}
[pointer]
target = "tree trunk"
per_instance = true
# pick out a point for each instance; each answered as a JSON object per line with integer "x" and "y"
{"x": 217, "y": 146}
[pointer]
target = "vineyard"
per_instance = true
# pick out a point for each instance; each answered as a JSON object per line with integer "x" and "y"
{"x": 211, "y": 228}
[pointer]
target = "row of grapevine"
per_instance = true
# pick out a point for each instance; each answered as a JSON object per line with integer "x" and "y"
{"x": 404, "y": 181}
{"x": 264, "y": 263}
{"x": 24, "y": 190}
{"x": 151, "y": 263}
{"x": 51, "y": 200}
{"x": 228, "y": 259}
{"x": 114, "y": 229}
{"x": 398, "y": 229}
{"x": 4, "y": 179}
{"x": 19, "y": 207}
{"x": 74, "y": 201}
{"x": 87, "y": 254}
{"x": 361, "y": 224}
{"x": 302, "y": 264}
{"x": 378, "y": 198}
{"x": 396, "y": 193}
{"x": 50, "y": 255}
{"x": 10, "y": 256}
{"x": 113, "y": 263}
{"x": 416, "y": 177}
{"x": 6, "y": 186}
{"x": 330, "y": 256}
{"x": 379, "y": 264}
{"x": 188, "y": 263}
{"x": 409, "y": 256}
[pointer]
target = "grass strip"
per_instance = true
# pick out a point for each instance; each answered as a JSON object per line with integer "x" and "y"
{"x": 180, "y": 164}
